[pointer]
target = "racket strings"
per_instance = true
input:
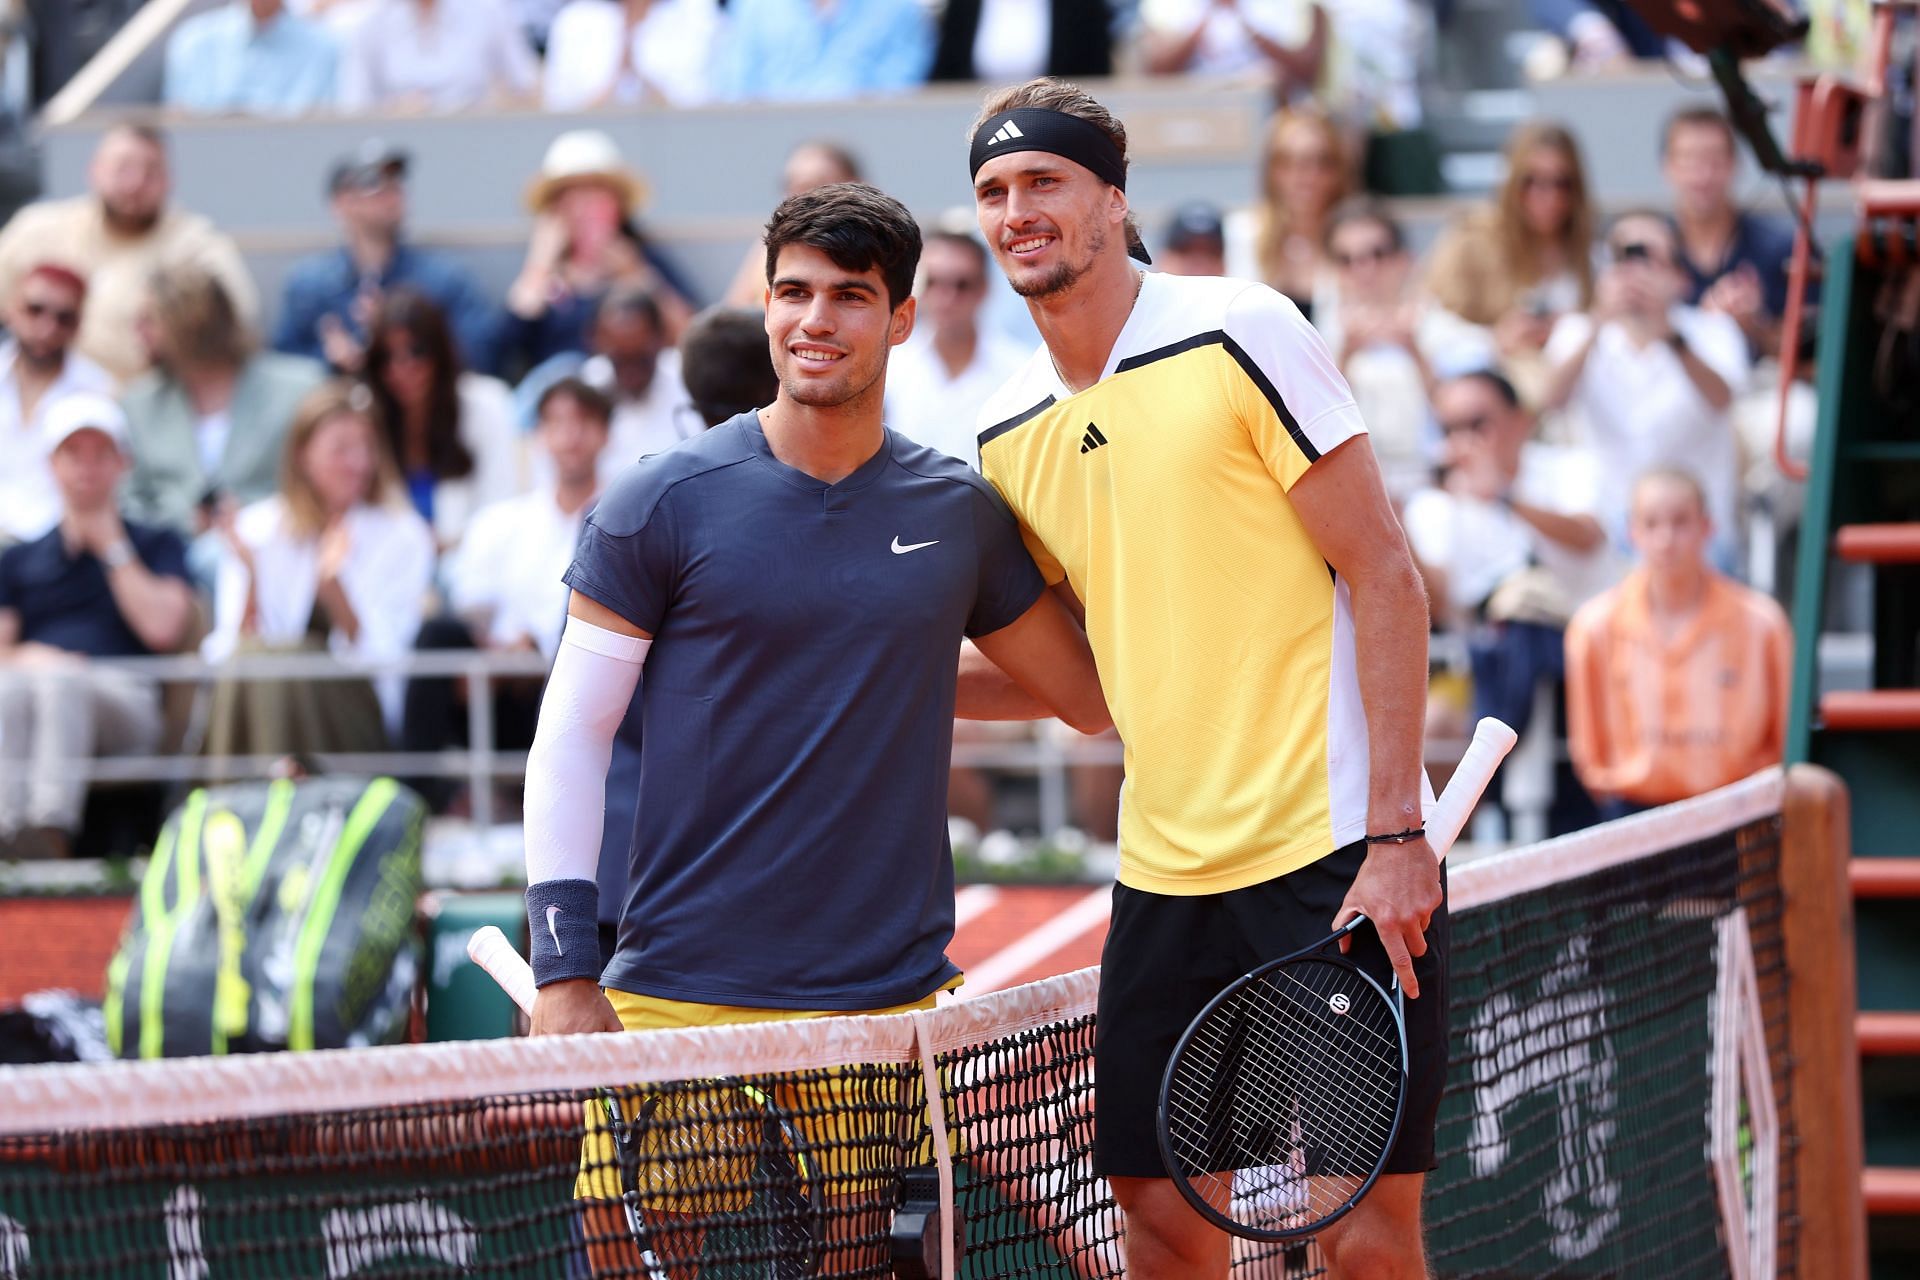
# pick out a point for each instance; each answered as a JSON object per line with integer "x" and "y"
{"x": 1294, "y": 1084}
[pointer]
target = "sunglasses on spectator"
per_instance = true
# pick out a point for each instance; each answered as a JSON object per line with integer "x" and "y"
{"x": 1476, "y": 424}
{"x": 1559, "y": 182}
{"x": 1364, "y": 257}
{"x": 61, "y": 316}
{"x": 959, "y": 284}
{"x": 1639, "y": 251}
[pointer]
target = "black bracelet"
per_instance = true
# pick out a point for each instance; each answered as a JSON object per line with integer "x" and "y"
{"x": 1400, "y": 837}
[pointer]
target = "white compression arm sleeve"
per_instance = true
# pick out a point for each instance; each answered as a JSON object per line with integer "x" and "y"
{"x": 594, "y": 676}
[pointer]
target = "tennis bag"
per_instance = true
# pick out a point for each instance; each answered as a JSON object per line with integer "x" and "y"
{"x": 272, "y": 916}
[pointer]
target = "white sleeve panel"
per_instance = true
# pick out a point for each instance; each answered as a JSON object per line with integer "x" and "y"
{"x": 593, "y": 679}
{"x": 1309, "y": 409}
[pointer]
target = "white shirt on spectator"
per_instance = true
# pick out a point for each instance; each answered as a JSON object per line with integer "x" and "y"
{"x": 29, "y": 503}
{"x": 492, "y": 436}
{"x": 1480, "y": 544}
{"x": 934, "y": 408}
{"x": 511, "y": 563}
{"x": 1224, "y": 48}
{"x": 456, "y": 55}
{"x": 667, "y": 56}
{"x": 388, "y": 570}
{"x": 1012, "y": 41}
{"x": 641, "y": 427}
{"x": 1636, "y": 408}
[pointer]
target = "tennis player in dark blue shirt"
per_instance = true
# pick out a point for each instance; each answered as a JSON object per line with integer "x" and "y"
{"x": 797, "y": 583}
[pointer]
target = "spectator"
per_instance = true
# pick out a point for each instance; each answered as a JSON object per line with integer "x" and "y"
{"x": 1735, "y": 260}
{"x": 1195, "y": 243}
{"x": 250, "y": 57}
{"x": 584, "y": 242}
{"x": 1678, "y": 678}
{"x": 811, "y": 50}
{"x": 1518, "y": 265}
{"x": 437, "y": 56}
{"x": 1285, "y": 40}
{"x": 809, "y": 166}
{"x": 604, "y": 53}
{"x": 726, "y": 364}
{"x": 504, "y": 588}
{"x": 1007, "y": 41}
{"x": 206, "y": 425}
{"x": 117, "y": 236}
{"x": 938, "y": 380}
{"x": 330, "y": 298}
{"x": 1386, "y": 342}
{"x": 95, "y": 586}
{"x": 1597, "y": 33}
{"x": 634, "y": 367}
{"x": 335, "y": 561}
{"x": 450, "y": 432}
{"x": 340, "y": 17}
{"x": 1305, "y": 172}
{"x": 38, "y": 368}
{"x": 1650, "y": 380}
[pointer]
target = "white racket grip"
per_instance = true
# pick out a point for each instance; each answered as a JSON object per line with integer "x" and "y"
{"x": 1491, "y": 742}
{"x": 489, "y": 948}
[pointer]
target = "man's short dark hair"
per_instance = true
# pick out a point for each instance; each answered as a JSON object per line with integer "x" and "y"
{"x": 970, "y": 243}
{"x": 726, "y": 364}
{"x": 586, "y": 397}
{"x": 631, "y": 301}
{"x": 1370, "y": 212}
{"x": 1697, "y": 118}
{"x": 859, "y": 227}
{"x": 1491, "y": 377}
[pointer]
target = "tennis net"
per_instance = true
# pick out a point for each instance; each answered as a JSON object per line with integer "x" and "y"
{"x": 1617, "y": 1105}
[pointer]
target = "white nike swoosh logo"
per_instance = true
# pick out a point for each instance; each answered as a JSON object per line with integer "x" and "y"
{"x": 552, "y": 932}
{"x": 911, "y": 546}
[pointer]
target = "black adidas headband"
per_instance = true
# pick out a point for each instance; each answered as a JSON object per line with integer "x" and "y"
{"x": 1059, "y": 134}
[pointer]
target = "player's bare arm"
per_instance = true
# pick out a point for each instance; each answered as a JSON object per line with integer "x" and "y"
{"x": 572, "y": 1005}
{"x": 1347, "y": 513}
{"x": 1038, "y": 665}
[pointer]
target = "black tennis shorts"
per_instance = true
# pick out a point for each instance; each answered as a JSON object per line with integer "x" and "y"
{"x": 1167, "y": 956}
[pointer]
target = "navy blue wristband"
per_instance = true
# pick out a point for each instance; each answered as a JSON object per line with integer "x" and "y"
{"x": 563, "y": 926}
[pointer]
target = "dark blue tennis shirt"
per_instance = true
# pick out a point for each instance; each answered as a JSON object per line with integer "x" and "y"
{"x": 790, "y": 846}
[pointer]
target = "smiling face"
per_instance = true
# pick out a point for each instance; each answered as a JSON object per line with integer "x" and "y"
{"x": 1047, "y": 220}
{"x": 830, "y": 329}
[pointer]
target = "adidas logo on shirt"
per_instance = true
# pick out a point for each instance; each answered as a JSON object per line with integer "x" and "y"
{"x": 1006, "y": 133}
{"x": 1092, "y": 440}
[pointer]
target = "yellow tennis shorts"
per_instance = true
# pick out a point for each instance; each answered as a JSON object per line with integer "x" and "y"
{"x": 695, "y": 1145}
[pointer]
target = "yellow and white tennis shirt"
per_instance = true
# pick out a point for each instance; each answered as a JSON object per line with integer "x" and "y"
{"x": 1224, "y": 640}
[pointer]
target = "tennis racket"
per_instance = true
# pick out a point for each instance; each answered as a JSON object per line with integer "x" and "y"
{"x": 731, "y": 1123}
{"x": 1283, "y": 1098}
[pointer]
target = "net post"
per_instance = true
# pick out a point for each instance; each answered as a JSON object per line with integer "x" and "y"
{"x": 923, "y": 1045}
{"x": 1817, "y": 926}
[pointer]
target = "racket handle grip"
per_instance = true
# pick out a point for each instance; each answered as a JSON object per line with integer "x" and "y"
{"x": 489, "y": 948}
{"x": 1491, "y": 742}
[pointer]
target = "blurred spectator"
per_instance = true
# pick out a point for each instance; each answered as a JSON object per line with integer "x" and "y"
{"x": 207, "y": 423}
{"x": 810, "y": 50}
{"x": 1735, "y": 260}
{"x": 1678, "y": 679}
{"x": 633, "y": 366}
{"x": 809, "y": 166}
{"x": 117, "y": 236}
{"x": 330, "y": 298}
{"x": 1385, "y": 341}
{"x": 1650, "y": 380}
{"x": 504, "y": 588}
{"x": 96, "y": 586}
{"x": 335, "y": 562}
{"x": 1518, "y": 265}
{"x": 1598, "y": 33}
{"x": 1195, "y": 243}
{"x": 604, "y": 53}
{"x": 1282, "y": 39}
{"x": 585, "y": 240}
{"x": 536, "y": 18}
{"x": 437, "y": 56}
{"x": 940, "y": 377}
{"x": 37, "y": 368}
{"x": 726, "y": 363}
{"x": 252, "y": 57}
{"x": 340, "y": 17}
{"x": 1304, "y": 172}
{"x": 451, "y": 433}
{"x": 1007, "y": 41}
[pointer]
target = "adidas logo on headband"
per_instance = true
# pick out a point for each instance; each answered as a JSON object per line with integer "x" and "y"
{"x": 1006, "y": 133}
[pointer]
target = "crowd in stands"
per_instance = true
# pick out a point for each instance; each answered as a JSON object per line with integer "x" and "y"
{"x": 404, "y": 461}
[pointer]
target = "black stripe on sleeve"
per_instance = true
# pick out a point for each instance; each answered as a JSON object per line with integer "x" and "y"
{"x": 1001, "y": 428}
{"x": 1247, "y": 365}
